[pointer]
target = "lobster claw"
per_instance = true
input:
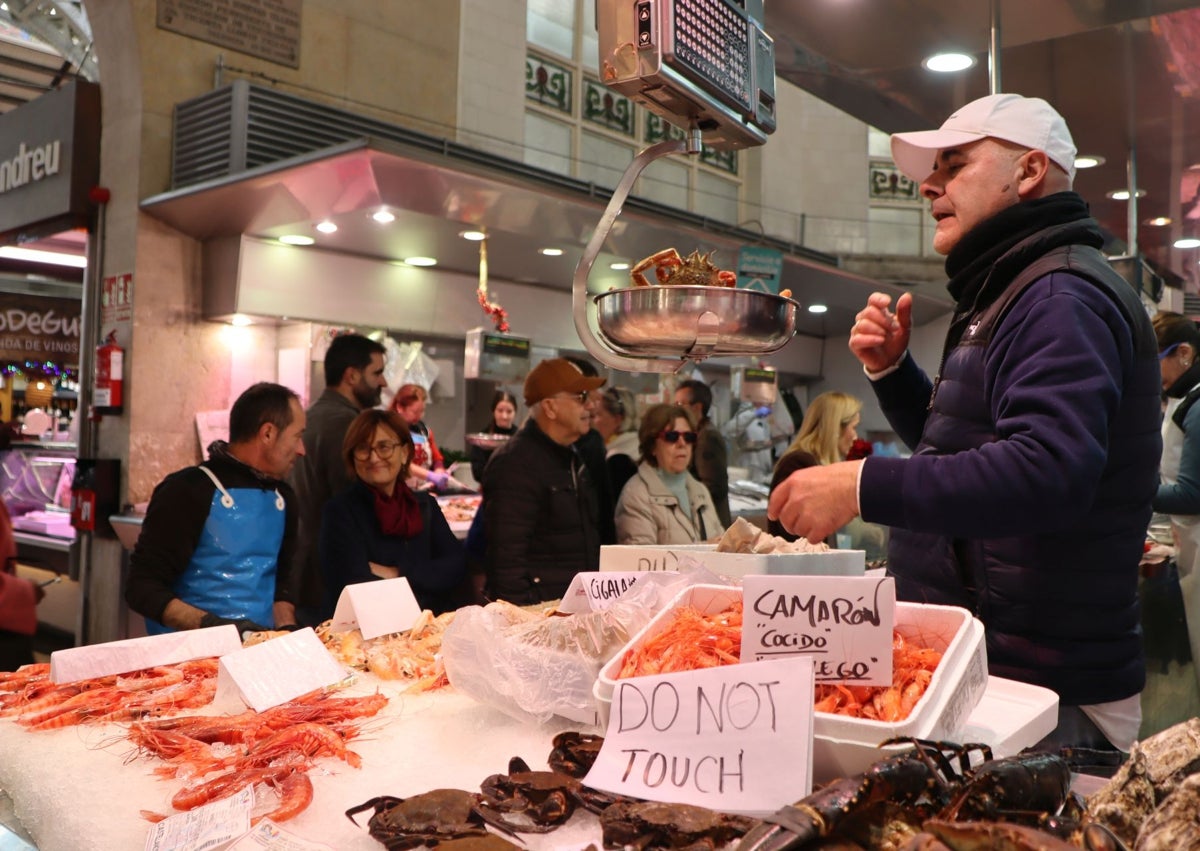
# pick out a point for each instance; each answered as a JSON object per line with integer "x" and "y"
{"x": 790, "y": 827}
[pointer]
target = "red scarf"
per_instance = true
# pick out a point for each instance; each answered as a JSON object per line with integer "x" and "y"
{"x": 399, "y": 514}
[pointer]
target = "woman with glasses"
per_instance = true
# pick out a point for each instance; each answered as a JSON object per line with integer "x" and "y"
{"x": 663, "y": 503}
{"x": 615, "y": 418}
{"x": 378, "y": 528}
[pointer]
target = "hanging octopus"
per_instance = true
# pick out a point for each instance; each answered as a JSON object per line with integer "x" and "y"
{"x": 499, "y": 314}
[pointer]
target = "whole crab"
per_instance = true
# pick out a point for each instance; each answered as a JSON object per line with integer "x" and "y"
{"x": 426, "y": 819}
{"x": 574, "y": 752}
{"x": 671, "y": 269}
{"x": 648, "y": 825}
{"x": 527, "y": 801}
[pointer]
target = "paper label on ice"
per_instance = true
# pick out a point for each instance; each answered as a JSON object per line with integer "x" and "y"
{"x": 205, "y": 828}
{"x": 377, "y": 608}
{"x": 268, "y": 836}
{"x": 136, "y": 654}
{"x": 278, "y": 670}
{"x": 843, "y": 622}
{"x": 736, "y": 738}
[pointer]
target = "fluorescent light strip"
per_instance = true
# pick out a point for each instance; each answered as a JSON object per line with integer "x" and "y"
{"x": 31, "y": 255}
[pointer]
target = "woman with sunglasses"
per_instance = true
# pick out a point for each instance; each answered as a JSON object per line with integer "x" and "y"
{"x": 378, "y": 528}
{"x": 663, "y": 503}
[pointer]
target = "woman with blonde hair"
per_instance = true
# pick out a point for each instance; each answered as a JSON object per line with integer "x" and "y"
{"x": 829, "y": 430}
{"x": 616, "y": 419}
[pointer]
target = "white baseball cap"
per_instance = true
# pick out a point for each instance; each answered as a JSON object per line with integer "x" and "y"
{"x": 1029, "y": 122}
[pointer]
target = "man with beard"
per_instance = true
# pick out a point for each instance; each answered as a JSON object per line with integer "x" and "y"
{"x": 539, "y": 503}
{"x": 1035, "y": 448}
{"x": 353, "y": 381}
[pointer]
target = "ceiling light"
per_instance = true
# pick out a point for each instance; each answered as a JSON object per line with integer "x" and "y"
{"x": 817, "y": 308}
{"x": 296, "y": 239}
{"x": 1088, "y": 161}
{"x": 618, "y": 267}
{"x": 421, "y": 261}
{"x": 327, "y": 227}
{"x": 384, "y": 217}
{"x": 32, "y": 255}
{"x": 946, "y": 63}
{"x": 240, "y": 320}
{"x": 473, "y": 235}
{"x": 1187, "y": 242}
{"x": 1158, "y": 221}
{"x": 1123, "y": 194}
{"x": 550, "y": 252}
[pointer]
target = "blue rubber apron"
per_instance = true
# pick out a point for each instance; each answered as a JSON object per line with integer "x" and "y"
{"x": 232, "y": 571}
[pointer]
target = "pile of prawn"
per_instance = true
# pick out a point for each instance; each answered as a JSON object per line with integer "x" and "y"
{"x": 694, "y": 640}
{"x": 276, "y": 748}
{"x": 28, "y": 696}
{"x": 411, "y": 655}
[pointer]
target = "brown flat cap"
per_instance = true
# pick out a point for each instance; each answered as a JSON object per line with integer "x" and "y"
{"x": 557, "y": 375}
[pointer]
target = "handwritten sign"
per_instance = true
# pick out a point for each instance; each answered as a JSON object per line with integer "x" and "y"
{"x": 736, "y": 738}
{"x": 844, "y": 623}
{"x": 376, "y": 608}
{"x": 277, "y": 671}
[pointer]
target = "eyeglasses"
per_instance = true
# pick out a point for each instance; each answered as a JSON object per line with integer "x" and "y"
{"x": 672, "y": 436}
{"x": 1167, "y": 352}
{"x": 384, "y": 449}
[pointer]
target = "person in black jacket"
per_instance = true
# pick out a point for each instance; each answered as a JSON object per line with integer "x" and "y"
{"x": 540, "y": 506}
{"x": 504, "y": 414}
{"x": 378, "y": 528}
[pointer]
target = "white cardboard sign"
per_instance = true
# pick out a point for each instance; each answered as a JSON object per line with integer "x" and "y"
{"x": 377, "y": 607}
{"x": 136, "y": 654}
{"x": 213, "y": 825}
{"x": 844, "y": 623}
{"x": 736, "y": 738}
{"x": 277, "y": 671}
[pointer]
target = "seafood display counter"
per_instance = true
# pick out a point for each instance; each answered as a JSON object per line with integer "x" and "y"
{"x": 83, "y": 787}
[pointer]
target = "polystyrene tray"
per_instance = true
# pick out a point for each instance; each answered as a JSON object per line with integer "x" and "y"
{"x": 648, "y": 558}
{"x": 954, "y": 690}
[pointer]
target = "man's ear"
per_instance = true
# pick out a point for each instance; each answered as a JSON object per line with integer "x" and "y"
{"x": 267, "y": 432}
{"x": 1034, "y": 167}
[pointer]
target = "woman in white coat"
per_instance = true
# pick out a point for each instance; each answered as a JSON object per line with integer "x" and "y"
{"x": 663, "y": 503}
{"x": 1179, "y": 488}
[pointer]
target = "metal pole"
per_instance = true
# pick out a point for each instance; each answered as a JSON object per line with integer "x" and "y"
{"x": 1131, "y": 206}
{"x": 994, "y": 86}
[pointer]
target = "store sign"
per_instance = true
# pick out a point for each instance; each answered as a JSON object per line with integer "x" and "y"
{"x": 50, "y": 160}
{"x": 760, "y": 268}
{"x": 38, "y": 328}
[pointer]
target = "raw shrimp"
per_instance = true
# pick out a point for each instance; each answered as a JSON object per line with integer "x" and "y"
{"x": 305, "y": 739}
{"x": 691, "y": 640}
{"x": 295, "y": 794}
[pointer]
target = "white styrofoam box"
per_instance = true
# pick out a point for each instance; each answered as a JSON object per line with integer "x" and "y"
{"x": 1012, "y": 716}
{"x": 842, "y": 743}
{"x": 641, "y": 558}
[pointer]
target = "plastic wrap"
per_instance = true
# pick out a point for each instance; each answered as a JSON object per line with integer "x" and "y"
{"x": 536, "y": 669}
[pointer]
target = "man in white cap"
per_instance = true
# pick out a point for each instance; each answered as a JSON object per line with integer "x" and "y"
{"x": 1036, "y": 446}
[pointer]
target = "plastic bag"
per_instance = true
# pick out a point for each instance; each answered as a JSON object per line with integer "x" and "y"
{"x": 407, "y": 363}
{"x": 536, "y": 669}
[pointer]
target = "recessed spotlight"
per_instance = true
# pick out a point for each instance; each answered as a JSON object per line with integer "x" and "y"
{"x": 1123, "y": 194}
{"x": 550, "y": 252}
{"x": 1187, "y": 242}
{"x": 618, "y": 267}
{"x": 1088, "y": 161}
{"x": 947, "y": 63}
{"x": 421, "y": 261}
{"x": 817, "y": 308}
{"x": 296, "y": 239}
{"x": 240, "y": 320}
{"x": 384, "y": 217}
{"x": 473, "y": 235}
{"x": 327, "y": 227}
{"x": 1158, "y": 221}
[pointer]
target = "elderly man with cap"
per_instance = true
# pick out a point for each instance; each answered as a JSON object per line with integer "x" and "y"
{"x": 1035, "y": 447}
{"x": 540, "y": 509}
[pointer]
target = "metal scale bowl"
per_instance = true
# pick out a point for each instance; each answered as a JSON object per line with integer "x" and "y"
{"x": 659, "y": 328}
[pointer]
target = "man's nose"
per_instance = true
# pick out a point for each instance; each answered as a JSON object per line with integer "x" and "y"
{"x": 931, "y": 187}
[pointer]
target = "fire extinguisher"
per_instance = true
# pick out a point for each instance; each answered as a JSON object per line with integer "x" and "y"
{"x": 110, "y": 376}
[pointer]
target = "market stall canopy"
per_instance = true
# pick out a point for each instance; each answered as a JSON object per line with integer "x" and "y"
{"x": 1124, "y": 75}
{"x": 435, "y": 197}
